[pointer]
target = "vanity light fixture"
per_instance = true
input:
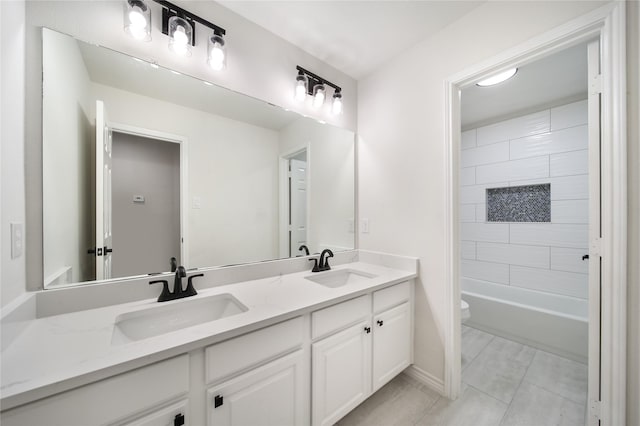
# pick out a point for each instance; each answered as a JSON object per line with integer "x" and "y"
{"x": 308, "y": 83}
{"x": 137, "y": 20}
{"x": 498, "y": 78}
{"x": 180, "y": 25}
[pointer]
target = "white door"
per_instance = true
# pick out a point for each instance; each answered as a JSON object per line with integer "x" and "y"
{"x": 595, "y": 231}
{"x": 391, "y": 344}
{"x": 341, "y": 373}
{"x": 271, "y": 395}
{"x": 298, "y": 204}
{"x": 104, "y": 146}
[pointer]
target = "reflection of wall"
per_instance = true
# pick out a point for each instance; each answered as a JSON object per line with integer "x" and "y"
{"x": 67, "y": 151}
{"x": 330, "y": 184}
{"x": 545, "y": 257}
{"x": 145, "y": 235}
{"x": 232, "y": 175}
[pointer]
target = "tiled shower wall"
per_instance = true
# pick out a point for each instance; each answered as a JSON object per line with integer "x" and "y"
{"x": 549, "y": 146}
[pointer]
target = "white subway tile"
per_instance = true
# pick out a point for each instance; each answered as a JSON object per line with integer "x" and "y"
{"x": 548, "y": 234}
{"x": 468, "y": 250}
{"x": 570, "y": 211}
{"x": 570, "y": 163}
{"x": 519, "y": 127}
{"x": 571, "y": 139}
{"x": 495, "y": 272}
{"x": 467, "y": 213}
{"x": 528, "y": 168}
{"x": 569, "y": 115}
{"x": 567, "y": 283}
{"x": 474, "y": 194}
{"x": 534, "y": 256}
{"x": 485, "y": 154}
{"x": 491, "y": 232}
{"x": 468, "y": 176}
{"x": 569, "y": 260}
{"x": 481, "y": 212}
{"x": 562, "y": 188}
{"x": 468, "y": 139}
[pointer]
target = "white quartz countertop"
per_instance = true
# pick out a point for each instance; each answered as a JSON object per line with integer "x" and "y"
{"x": 61, "y": 352}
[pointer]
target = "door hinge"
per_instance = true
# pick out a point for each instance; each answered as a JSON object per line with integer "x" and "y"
{"x": 596, "y": 247}
{"x": 595, "y": 86}
{"x": 594, "y": 409}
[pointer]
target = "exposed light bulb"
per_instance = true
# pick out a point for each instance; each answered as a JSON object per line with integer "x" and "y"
{"x": 137, "y": 20}
{"x": 336, "y": 106}
{"x": 217, "y": 55}
{"x": 180, "y": 36}
{"x": 300, "y": 93}
{"x": 498, "y": 78}
{"x": 318, "y": 96}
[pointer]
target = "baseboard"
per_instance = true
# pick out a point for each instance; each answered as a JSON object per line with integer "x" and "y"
{"x": 426, "y": 378}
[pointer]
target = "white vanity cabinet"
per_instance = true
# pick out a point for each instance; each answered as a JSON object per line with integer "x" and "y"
{"x": 261, "y": 378}
{"x": 151, "y": 395}
{"x": 350, "y": 364}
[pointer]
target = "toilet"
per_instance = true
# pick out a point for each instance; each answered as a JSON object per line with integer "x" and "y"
{"x": 465, "y": 314}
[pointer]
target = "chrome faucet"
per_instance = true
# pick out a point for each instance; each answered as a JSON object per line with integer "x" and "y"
{"x": 177, "y": 292}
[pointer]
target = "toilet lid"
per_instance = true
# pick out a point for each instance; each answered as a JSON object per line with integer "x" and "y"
{"x": 463, "y": 305}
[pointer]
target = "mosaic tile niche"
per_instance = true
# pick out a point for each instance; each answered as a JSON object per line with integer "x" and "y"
{"x": 528, "y": 203}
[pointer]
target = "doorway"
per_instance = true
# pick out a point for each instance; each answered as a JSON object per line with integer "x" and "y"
{"x": 294, "y": 185}
{"x": 607, "y": 249}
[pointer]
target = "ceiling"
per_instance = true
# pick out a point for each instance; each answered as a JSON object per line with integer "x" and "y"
{"x": 355, "y": 37}
{"x": 133, "y": 75}
{"x": 550, "y": 81}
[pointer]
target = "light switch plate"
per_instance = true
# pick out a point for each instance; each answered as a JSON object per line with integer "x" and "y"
{"x": 364, "y": 225}
{"x": 17, "y": 239}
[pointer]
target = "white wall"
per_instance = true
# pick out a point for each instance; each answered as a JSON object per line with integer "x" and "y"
{"x": 633, "y": 167}
{"x": 67, "y": 154}
{"x": 401, "y": 153}
{"x": 12, "y": 177}
{"x": 232, "y": 170}
{"x": 548, "y": 146}
{"x": 145, "y": 235}
{"x": 331, "y": 181}
{"x": 260, "y": 64}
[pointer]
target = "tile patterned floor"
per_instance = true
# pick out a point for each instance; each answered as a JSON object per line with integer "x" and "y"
{"x": 504, "y": 383}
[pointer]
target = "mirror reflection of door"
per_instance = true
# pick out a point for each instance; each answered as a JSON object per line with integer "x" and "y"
{"x": 297, "y": 202}
{"x": 104, "y": 164}
{"x": 145, "y": 204}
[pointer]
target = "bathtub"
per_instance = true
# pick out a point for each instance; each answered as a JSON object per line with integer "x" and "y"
{"x": 551, "y": 322}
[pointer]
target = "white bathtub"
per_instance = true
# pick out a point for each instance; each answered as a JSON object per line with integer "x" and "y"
{"x": 553, "y": 323}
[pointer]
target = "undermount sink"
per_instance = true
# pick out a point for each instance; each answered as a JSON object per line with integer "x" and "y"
{"x": 340, "y": 277}
{"x": 139, "y": 325}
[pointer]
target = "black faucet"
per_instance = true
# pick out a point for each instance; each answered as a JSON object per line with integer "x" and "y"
{"x": 177, "y": 293}
{"x": 305, "y": 248}
{"x": 323, "y": 264}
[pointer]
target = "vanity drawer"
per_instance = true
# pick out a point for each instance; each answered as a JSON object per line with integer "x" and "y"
{"x": 240, "y": 353}
{"x": 338, "y": 316}
{"x": 391, "y": 296}
{"x": 109, "y": 400}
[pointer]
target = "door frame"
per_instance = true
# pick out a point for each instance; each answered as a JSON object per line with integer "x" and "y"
{"x": 184, "y": 176}
{"x": 608, "y": 24}
{"x": 284, "y": 196}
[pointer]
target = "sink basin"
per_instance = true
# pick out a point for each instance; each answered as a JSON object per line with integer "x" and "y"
{"x": 339, "y": 277}
{"x": 165, "y": 318}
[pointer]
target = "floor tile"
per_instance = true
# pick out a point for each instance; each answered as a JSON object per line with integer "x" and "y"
{"x": 559, "y": 375}
{"x": 499, "y": 368}
{"x": 401, "y": 402}
{"x": 533, "y": 405}
{"x": 473, "y": 341}
{"x": 472, "y": 408}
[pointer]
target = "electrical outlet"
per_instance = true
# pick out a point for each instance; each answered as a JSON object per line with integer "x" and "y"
{"x": 17, "y": 240}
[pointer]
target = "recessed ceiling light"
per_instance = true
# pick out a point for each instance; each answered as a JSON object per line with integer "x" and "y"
{"x": 498, "y": 78}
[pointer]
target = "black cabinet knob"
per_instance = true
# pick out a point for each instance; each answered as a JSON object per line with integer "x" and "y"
{"x": 380, "y": 323}
{"x": 218, "y": 401}
{"x": 367, "y": 330}
{"x": 178, "y": 420}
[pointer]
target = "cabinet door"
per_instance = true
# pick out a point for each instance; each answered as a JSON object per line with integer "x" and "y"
{"x": 172, "y": 415}
{"x": 341, "y": 377}
{"x": 272, "y": 395}
{"x": 391, "y": 344}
